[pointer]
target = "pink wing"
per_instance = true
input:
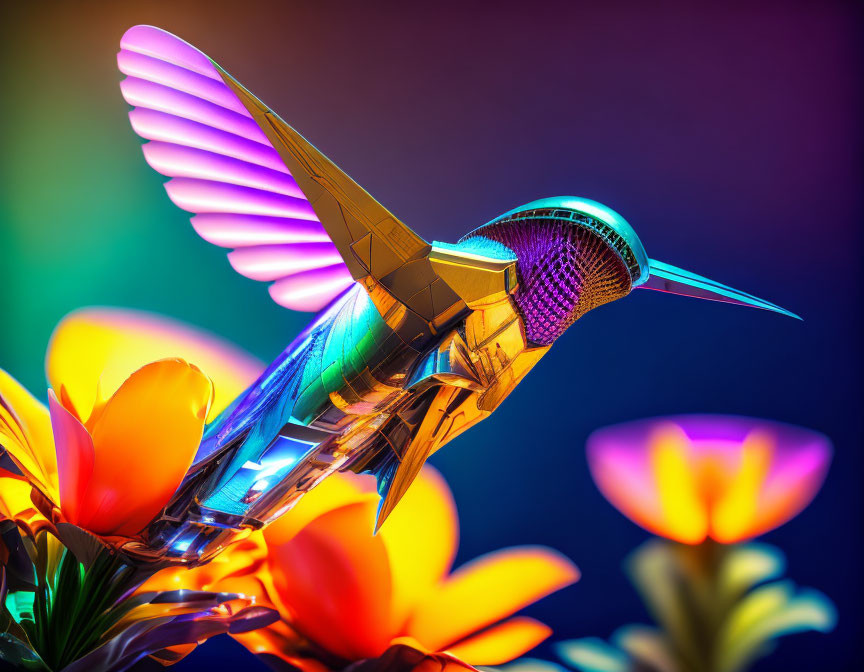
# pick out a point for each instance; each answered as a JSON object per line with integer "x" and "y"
{"x": 225, "y": 170}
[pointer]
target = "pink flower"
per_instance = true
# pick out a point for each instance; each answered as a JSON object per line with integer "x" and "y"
{"x": 724, "y": 477}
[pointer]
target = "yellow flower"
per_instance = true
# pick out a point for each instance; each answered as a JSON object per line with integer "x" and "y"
{"x": 121, "y": 429}
{"x": 17, "y": 505}
{"x": 348, "y": 596}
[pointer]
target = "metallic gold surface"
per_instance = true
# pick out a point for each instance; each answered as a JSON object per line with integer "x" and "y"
{"x": 347, "y": 212}
{"x": 476, "y": 279}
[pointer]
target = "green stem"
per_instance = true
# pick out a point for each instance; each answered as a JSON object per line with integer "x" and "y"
{"x": 700, "y": 568}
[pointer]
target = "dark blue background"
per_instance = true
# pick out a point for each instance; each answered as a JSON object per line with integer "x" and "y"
{"x": 730, "y": 138}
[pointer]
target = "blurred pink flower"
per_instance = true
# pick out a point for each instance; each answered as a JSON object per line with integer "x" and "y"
{"x": 692, "y": 477}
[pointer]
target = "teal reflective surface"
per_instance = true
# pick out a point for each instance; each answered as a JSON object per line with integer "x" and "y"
{"x": 598, "y": 211}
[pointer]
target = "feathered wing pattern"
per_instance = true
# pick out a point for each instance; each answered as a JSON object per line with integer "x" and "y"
{"x": 253, "y": 183}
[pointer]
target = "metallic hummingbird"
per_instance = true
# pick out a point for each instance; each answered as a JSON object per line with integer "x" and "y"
{"x": 412, "y": 342}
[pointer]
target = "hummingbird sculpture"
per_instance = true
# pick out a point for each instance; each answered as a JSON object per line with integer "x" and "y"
{"x": 412, "y": 343}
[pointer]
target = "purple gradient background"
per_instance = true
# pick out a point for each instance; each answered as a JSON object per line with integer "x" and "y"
{"x": 729, "y": 136}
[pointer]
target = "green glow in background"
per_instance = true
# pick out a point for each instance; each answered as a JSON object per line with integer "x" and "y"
{"x": 84, "y": 220}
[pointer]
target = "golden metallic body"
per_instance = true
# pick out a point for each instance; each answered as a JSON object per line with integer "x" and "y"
{"x": 419, "y": 290}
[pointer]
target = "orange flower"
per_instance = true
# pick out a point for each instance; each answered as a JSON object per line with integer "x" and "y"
{"x": 121, "y": 429}
{"x": 348, "y": 596}
{"x": 724, "y": 477}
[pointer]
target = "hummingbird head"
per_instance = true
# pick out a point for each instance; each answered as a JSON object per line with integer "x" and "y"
{"x": 574, "y": 254}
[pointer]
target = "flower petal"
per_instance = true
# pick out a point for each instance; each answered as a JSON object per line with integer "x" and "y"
{"x": 421, "y": 536}
{"x": 625, "y": 478}
{"x": 501, "y": 643}
{"x": 15, "y": 502}
{"x": 25, "y": 433}
{"x": 334, "y": 579}
{"x": 14, "y": 495}
{"x": 144, "y": 442}
{"x": 797, "y": 472}
{"x": 736, "y": 509}
{"x": 644, "y": 471}
{"x": 75, "y": 456}
{"x": 683, "y": 502}
{"x": 332, "y": 493}
{"x": 488, "y": 590}
{"x": 103, "y": 346}
{"x": 279, "y": 641}
{"x": 238, "y": 570}
{"x": 405, "y": 656}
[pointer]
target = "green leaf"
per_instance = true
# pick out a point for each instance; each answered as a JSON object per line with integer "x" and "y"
{"x": 646, "y": 645}
{"x": 20, "y": 605}
{"x": 592, "y": 654}
{"x": 20, "y": 656}
{"x": 746, "y": 566}
{"x": 764, "y": 615}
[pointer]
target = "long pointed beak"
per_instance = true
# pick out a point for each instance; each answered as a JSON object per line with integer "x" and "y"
{"x": 666, "y": 278}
